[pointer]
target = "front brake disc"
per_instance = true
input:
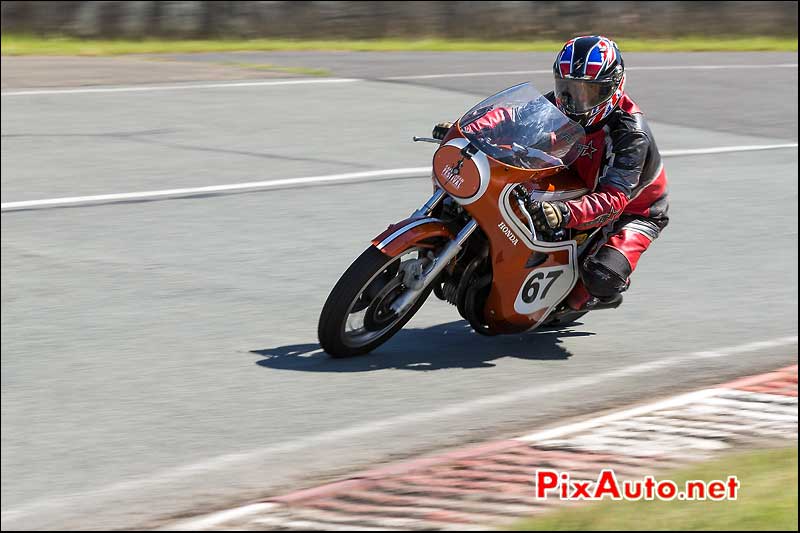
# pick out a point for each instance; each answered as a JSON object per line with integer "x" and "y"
{"x": 379, "y": 314}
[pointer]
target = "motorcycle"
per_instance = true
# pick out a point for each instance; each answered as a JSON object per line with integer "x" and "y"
{"x": 473, "y": 243}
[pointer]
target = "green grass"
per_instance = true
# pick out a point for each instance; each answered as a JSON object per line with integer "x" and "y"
{"x": 32, "y": 45}
{"x": 767, "y": 501}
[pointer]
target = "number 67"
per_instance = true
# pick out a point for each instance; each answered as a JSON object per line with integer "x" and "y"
{"x": 531, "y": 289}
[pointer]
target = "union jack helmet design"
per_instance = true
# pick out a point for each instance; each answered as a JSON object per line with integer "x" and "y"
{"x": 590, "y": 78}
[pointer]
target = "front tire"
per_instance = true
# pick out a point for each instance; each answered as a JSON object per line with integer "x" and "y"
{"x": 369, "y": 286}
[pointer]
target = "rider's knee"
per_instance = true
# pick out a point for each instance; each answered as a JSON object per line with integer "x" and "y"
{"x": 607, "y": 273}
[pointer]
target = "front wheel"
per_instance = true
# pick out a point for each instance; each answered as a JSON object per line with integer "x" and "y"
{"x": 357, "y": 316}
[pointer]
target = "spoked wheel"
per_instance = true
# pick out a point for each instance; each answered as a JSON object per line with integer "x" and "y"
{"x": 357, "y": 317}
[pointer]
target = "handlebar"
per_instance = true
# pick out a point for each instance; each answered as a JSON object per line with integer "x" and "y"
{"x": 427, "y": 140}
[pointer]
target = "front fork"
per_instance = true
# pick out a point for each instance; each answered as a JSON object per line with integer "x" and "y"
{"x": 418, "y": 278}
{"x": 430, "y": 205}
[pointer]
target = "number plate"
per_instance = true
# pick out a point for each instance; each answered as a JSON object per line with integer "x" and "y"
{"x": 544, "y": 288}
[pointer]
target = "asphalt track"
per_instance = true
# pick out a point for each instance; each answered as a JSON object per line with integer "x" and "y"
{"x": 159, "y": 357}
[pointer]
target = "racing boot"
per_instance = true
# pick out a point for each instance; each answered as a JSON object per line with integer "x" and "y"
{"x": 580, "y": 300}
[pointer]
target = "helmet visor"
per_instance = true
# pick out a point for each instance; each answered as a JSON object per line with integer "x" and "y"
{"x": 580, "y": 96}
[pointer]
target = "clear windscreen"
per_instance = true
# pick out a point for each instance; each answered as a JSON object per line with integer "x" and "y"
{"x": 520, "y": 127}
{"x": 580, "y": 96}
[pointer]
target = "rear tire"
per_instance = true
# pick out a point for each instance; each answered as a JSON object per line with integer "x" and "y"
{"x": 361, "y": 275}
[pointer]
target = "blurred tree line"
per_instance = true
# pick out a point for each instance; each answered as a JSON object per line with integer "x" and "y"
{"x": 370, "y": 20}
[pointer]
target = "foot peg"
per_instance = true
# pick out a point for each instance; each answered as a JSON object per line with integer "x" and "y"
{"x": 596, "y": 303}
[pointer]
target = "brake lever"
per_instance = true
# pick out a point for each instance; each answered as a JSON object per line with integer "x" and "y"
{"x": 427, "y": 140}
{"x": 524, "y": 209}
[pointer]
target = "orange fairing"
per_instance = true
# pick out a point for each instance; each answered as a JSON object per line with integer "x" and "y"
{"x": 513, "y": 253}
{"x": 458, "y": 175}
{"x": 409, "y": 233}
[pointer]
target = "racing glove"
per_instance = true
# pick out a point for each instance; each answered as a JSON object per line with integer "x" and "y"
{"x": 441, "y": 129}
{"x": 549, "y": 216}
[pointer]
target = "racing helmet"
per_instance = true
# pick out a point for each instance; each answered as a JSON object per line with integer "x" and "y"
{"x": 590, "y": 79}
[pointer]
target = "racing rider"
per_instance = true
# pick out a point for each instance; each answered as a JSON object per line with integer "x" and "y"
{"x": 619, "y": 162}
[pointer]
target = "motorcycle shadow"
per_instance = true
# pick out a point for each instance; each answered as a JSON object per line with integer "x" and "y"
{"x": 451, "y": 345}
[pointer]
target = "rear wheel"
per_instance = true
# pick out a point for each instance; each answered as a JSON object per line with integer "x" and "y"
{"x": 357, "y": 316}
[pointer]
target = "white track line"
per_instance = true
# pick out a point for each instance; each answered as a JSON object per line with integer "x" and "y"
{"x": 369, "y": 175}
{"x": 306, "y": 81}
{"x": 467, "y": 75}
{"x": 147, "y": 88}
{"x": 549, "y": 71}
{"x": 219, "y": 518}
{"x": 211, "y": 189}
{"x": 405, "y": 422}
{"x": 751, "y": 347}
{"x": 568, "y": 429}
{"x": 726, "y": 149}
